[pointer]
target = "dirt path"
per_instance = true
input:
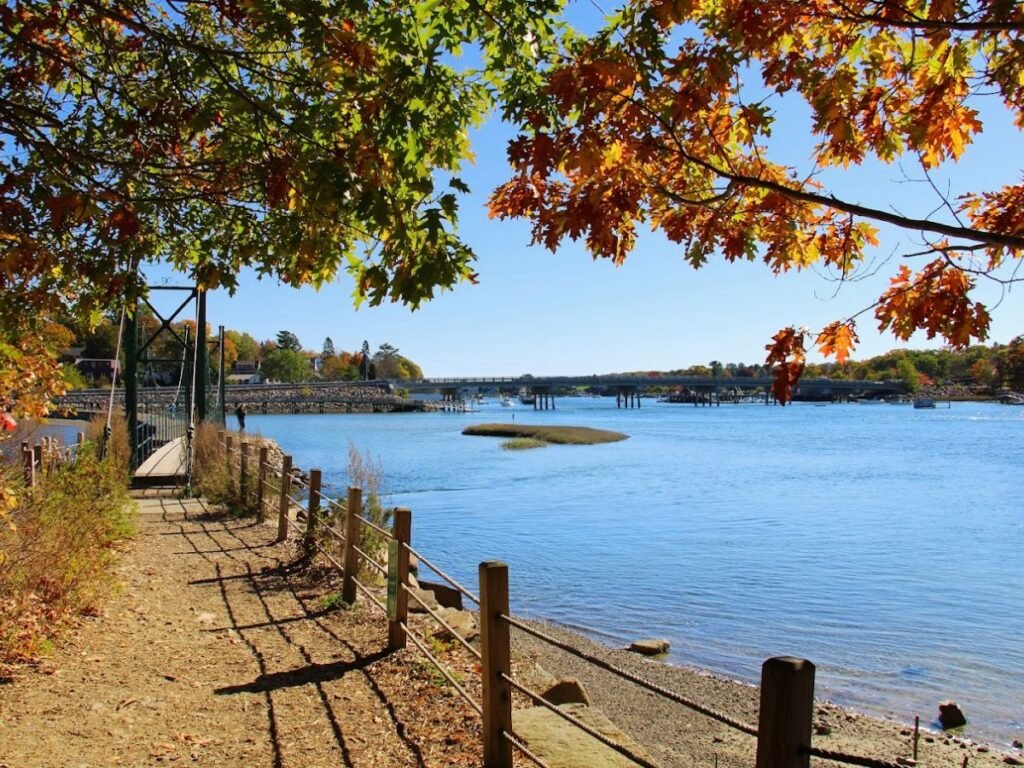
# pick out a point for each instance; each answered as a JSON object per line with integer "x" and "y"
{"x": 217, "y": 652}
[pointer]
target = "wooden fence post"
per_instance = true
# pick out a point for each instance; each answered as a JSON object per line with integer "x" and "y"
{"x": 37, "y": 463}
{"x": 261, "y": 485}
{"x": 350, "y": 558}
{"x": 80, "y": 438}
{"x": 243, "y": 471}
{"x": 495, "y": 662}
{"x": 229, "y": 444}
{"x": 402, "y": 531}
{"x": 283, "y": 501}
{"x": 28, "y": 459}
{"x": 314, "y": 510}
{"x": 787, "y": 709}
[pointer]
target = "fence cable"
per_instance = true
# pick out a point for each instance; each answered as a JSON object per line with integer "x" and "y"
{"x": 370, "y": 595}
{"x": 590, "y": 731}
{"x": 336, "y": 534}
{"x": 331, "y": 502}
{"x": 442, "y": 574}
{"x": 328, "y": 555}
{"x": 653, "y": 687}
{"x": 375, "y": 527}
{"x": 842, "y": 757}
{"x": 442, "y": 622}
{"x": 441, "y": 668}
{"x": 512, "y": 739}
{"x": 370, "y": 561}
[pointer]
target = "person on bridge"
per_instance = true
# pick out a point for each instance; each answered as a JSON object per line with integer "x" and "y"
{"x": 240, "y": 415}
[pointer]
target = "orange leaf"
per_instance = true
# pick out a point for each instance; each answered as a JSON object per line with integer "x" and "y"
{"x": 837, "y": 340}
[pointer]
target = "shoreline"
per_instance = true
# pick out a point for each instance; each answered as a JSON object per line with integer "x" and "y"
{"x": 677, "y": 736}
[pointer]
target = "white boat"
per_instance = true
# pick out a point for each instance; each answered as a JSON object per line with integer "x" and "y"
{"x": 506, "y": 402}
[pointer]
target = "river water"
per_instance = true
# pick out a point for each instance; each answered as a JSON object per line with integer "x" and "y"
{"x": 881, "y": 542}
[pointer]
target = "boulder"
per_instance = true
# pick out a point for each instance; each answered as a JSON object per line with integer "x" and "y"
{"x": 445, "y": 595}
{"x": 463, "y": 622}
{"x": 567, "y": 691}
{"x": 427, "y": 598}
{"x": 649, "y": 646}
{"x": 950, "y": 715}
{"x": 561, "y": 745}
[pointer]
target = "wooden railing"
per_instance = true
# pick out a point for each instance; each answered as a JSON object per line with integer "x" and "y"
{"x": 784, "y": 727}
{"x": 45, "y": 456}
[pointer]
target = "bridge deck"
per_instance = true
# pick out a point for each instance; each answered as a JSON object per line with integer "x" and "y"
{"x": 165, "y": 466}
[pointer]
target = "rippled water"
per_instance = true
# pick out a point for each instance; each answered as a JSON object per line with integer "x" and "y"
{"x": 881, "y": 542}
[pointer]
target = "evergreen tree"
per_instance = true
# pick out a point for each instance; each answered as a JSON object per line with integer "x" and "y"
{"x": 288, "y": 340}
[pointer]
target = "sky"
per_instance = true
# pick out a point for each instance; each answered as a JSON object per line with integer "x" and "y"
{"x": 563, "y": 313}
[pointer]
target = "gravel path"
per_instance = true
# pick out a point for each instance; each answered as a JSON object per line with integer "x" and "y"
{"x": 216, "y": 652}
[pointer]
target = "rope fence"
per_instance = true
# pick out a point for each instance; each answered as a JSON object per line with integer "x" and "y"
{"x": 452, "y": 582}
{"x": 536, "y": 698}
{"x": 43, "y": 458}
{"x": 784, "y": 728}
{"x": 635, "y": 679}
{"x": 370, "y": 524}
{"x": 437, "y": 617}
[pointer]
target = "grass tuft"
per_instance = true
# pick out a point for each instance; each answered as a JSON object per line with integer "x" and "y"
{"x": 523, "y": 444}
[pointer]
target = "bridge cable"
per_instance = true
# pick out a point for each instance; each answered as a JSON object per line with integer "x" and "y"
{"x": 113, "y": 385}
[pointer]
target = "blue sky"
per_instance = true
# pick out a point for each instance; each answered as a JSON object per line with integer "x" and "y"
{"x": 563, "y": 313}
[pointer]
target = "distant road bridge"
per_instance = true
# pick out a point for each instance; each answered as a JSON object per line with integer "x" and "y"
{"x": 627, "y": 389}
{"x": 383, "y": 395}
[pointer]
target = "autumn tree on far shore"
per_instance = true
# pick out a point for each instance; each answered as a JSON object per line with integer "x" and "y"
{"x": 663, "y": 119}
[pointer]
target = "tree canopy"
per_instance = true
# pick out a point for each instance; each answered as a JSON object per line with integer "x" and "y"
{"x": 306, "y": 137}
{"x": 664, "y": 117}
{"x": 296, "y": 138}
{"x": 286, "y": 365}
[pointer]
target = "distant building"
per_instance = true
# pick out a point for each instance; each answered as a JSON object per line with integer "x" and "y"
{"x": 316, "y": 363}
{"x": 245, "y": 372}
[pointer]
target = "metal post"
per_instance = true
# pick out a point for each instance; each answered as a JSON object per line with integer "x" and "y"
{"x": 130, "y": 344}
{"x": 200, "y": 360}
{"x": 220, "y": 380}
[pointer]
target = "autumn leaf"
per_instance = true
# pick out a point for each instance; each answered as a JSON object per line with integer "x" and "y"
{"x": 786, "y": 353}
{"x": 837, "y": 340}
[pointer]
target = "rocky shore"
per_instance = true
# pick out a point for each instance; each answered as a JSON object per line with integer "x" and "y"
{"x": 677, "y": 736}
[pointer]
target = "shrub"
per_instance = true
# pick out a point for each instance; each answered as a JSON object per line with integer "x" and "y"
{"x": 367, "y": 473}
{"x": 118, "y": 447}
{"x": 210, "y": 477}
{"x": 59, "y": 551}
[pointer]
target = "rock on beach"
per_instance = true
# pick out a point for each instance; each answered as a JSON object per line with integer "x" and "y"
{"x": 652, "y": 646}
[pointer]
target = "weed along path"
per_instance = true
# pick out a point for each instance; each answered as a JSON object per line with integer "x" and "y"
{"x": 217, "y": 651}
